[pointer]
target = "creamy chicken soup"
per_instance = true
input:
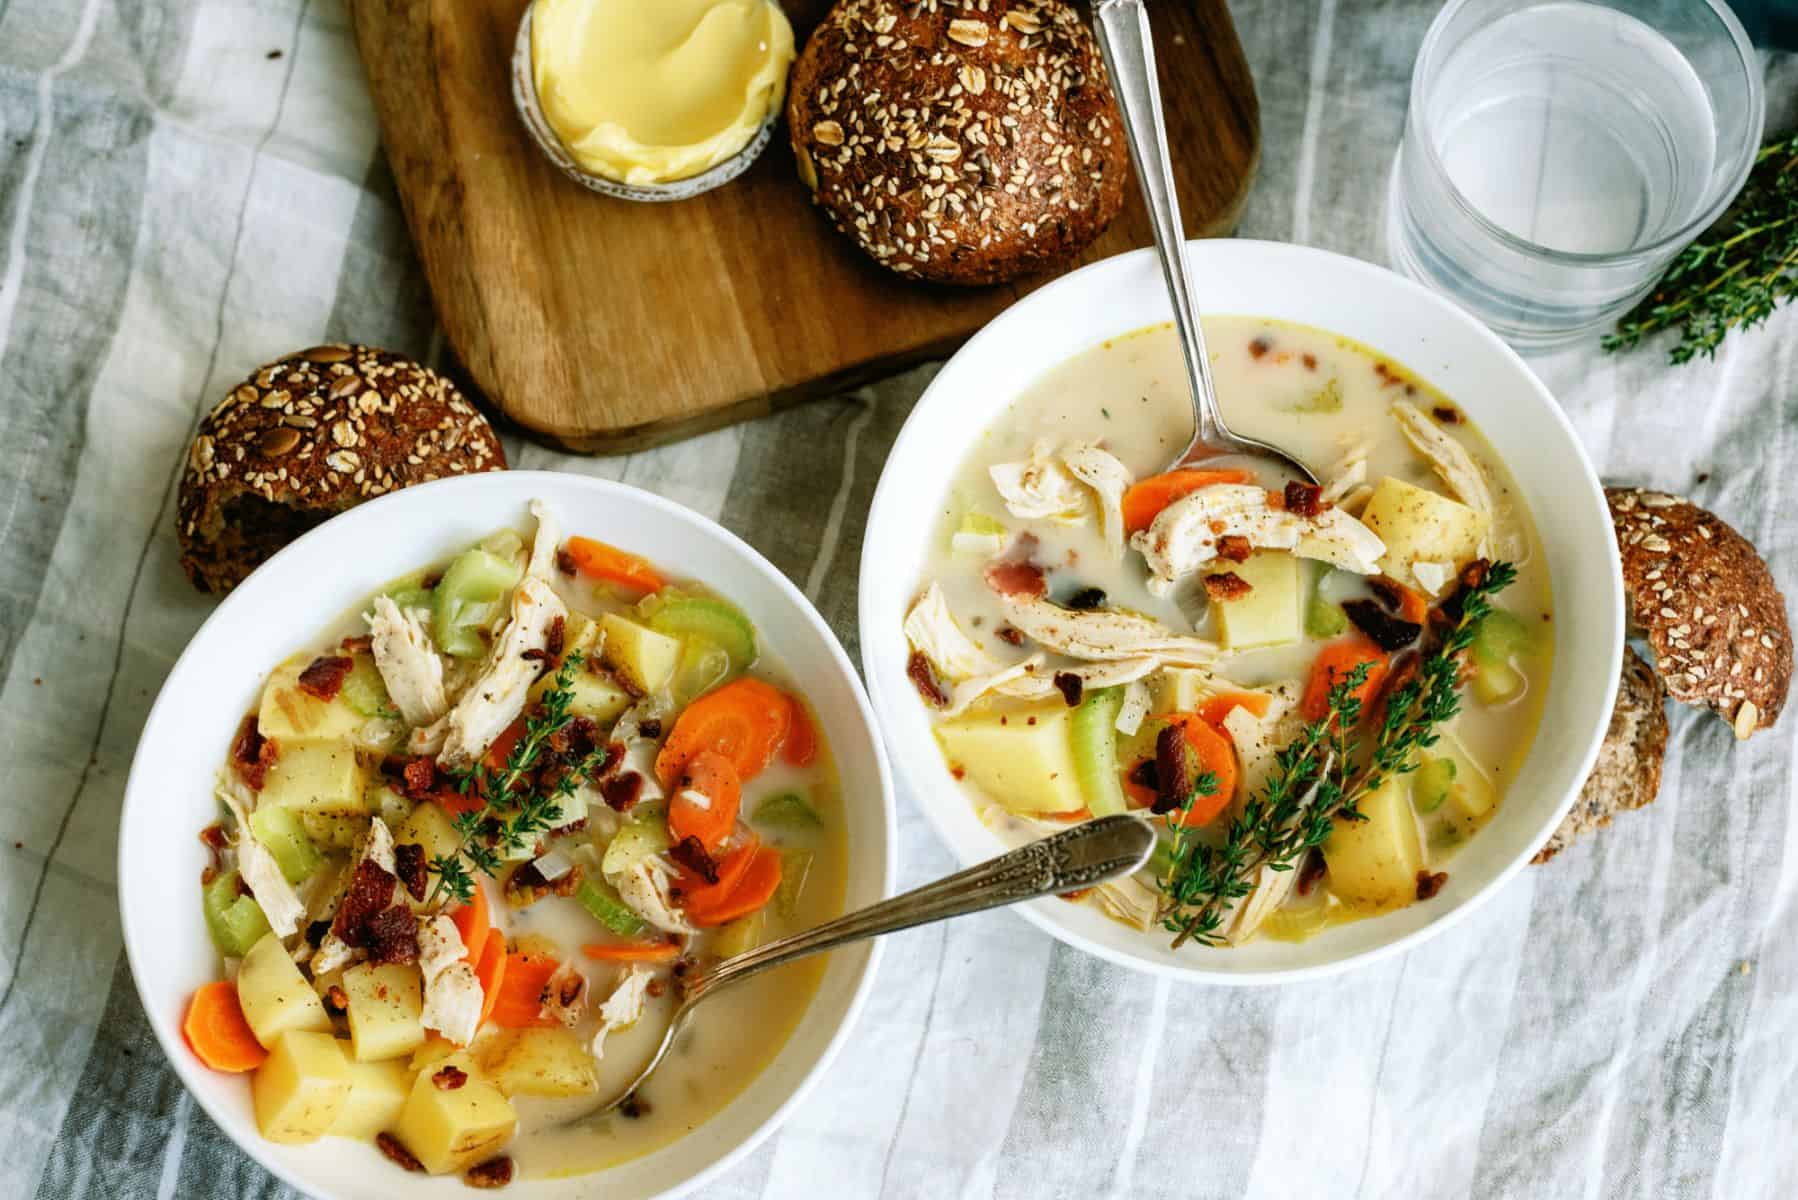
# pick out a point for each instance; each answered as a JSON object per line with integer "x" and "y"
{"x": 472, "y": 840}
{"x": 1304, "y": 685}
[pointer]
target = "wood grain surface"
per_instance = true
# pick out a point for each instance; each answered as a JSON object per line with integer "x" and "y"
{"x": 604, "y": 325}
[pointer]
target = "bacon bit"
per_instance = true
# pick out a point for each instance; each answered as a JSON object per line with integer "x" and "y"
{"x": 1017, "y": 577}
{"x": 336, "y": 999}
{"x": 409, "y": 865}
{"x": 316, "y": 931}
{"x": 635, "y": 1106}
{"x": 565, "y": 561}
{"x": 1388, "y": 632}
{"x": 449, "y": 1078}
{"x": 1071, "y": 687}
{"x": 1217, "y": 527}
{"x": 1087, "y": 599}
{"x": 494, "y": 1173}
{"x": 429, "y": 582}
{"x": 1388, "y": 377}
{"x": 1474, "y": 574}
{"x": 1429, "y": 884}
{"x": 622, "y": 791}
{"x": 1304, "y": 499}
{"x": 214, "y": 837}
{"x": 419, "y": 778}
{"x": 1143, "y": 774}
{"x": 390, "y": 1146}
{"x": 370, "y": 891}
{"x": 1309, "y": 359}
{"x": 690, "y": 853}
{"x": 656, "y": 988}
{"x": 1234, "y": 547}
{"x": 252, "y": 754}
{"x": 958, "y": 771}
{"x": 1404, "y": 669}
{"x": 324, "y": 676}
{"x": 555, "y": 638}
{"x": 360, "y": 643}
{"x": 1259, "y": 346}
{"x": 1010, "y": 636}
{"x": 392, "y": 936}
{"x": 1173, "y": 768}
{"x": 1448, "y": 414}
{"x": 651, "y": 729}
{"x": 1077, "y": 895}
{"x": 917, "y": 668}
{"x": 1227, "y": 585}
{"x": 1312, "y": 871}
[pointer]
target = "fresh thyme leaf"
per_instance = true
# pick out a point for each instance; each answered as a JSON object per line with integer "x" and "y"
{"x": 1318, "y": 778}
{"x": 1736, "y": 273}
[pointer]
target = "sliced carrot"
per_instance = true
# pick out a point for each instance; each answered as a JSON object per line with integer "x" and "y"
{"x": 1216, "y": 708}
{"x": 456, "y": 803}
{"x": 502, "y": 746}
{"x": 693, "y": 889}
{"x": 1138, "y": 795}
{"x": 1146, "y": 498}
{"x": 753, "y": 889}
{"x": 745, "y": 720}
{"x": 1333, "y": 665}
{"x": 217, "y": 1032}
{"x": 632, "y": 952}
{"x": 711, "y": 775}
{"x": 596, "y": 560}
{"x": 801, "y": 746}
{"x": 1217, "y": 755}
{"x": 474, "y": 923}
{"x": 1071, "y": 816}
{"x": 490, "y": 972}
{"x": 520, "y": 1002}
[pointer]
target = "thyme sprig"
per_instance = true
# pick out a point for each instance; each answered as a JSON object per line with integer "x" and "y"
{"x": 511, "y": 814}
{"x": 1319, "y": 777}
{"x": 1736, "y": 273}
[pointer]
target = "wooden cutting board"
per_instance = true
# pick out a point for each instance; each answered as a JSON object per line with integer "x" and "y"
{"x": 603, "y": 325}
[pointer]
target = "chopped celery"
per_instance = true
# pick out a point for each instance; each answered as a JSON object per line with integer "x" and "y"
{"x": 707, "y": 619}
{"x": 702, "y": 667}
{"x": 1497, "y": 643}
{"x": 503, "y": 543}
{"x": 408, "y": 591}
{"x": 1324, "y": 618}
{"x": 279, "y": 829}
{"x": 646, "y": 833}
{"x": 795, "y": 869}
{"x": 234, "y": 920}
{"x": 979, "y": 535}
{"x": 388, "y": 804}
{"x": 365, "y": 691}
{"x": 788, "y": 811}
{"x": 1430, "y": 787}
{"x": 468, "y": 598}
{"x": 1093, "y": 735}
{"x": 602, "y": 900}
{"x": 742, "y": 935}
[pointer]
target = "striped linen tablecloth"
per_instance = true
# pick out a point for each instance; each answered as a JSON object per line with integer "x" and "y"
{"x": 191, "y": 187}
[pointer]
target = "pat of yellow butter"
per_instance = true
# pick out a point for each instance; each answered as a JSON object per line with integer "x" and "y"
{"x": 650, "y": 91}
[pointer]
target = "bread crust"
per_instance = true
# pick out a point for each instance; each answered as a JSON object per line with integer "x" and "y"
{"x": 1628, "y": 771}
{"x": 960, "y": 145}
{"x": 311, "y": 435}
{"x": 1708, "y": 605}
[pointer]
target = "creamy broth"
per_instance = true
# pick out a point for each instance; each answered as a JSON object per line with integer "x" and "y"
{"x": 1312, "y": 392}
{"x": 739, "y": 1032}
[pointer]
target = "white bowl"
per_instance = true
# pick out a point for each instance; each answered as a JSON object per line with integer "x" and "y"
{"x": 1374, "y": 306}
{"x": 168, "y": 798}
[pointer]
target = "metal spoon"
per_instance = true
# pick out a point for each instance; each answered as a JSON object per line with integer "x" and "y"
{"x": 1086, "y": 855}
{"x": 1124, "y": 39}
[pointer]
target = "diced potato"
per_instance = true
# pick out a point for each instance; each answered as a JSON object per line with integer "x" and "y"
{"x": 449, "y": 1130}
{"x": 1471, "y": 796}
{"x": 317, "y": 777}
{"x": 1023, "y": 758}
{"x": 1418, "y": 524}
{"x": 384, "y": 1008}
{"x": 1373, "y": 863}
{"x": 276, "y": 998}
{"x": 333, "y": 831}
{"x": 644, "y": 659}
{"x": 385, "y": 802}
{"x": 377, "y": 1093}
{"x": 430, "y": 827}
{"x": 1270, "y": 613}
{"x": 435, "y": 1049}
{"x": 1180, "y": 689}
{"x": 300, "y": 1089}
{"x": 293, "y": 716}
{"x": 539, "y": 1062}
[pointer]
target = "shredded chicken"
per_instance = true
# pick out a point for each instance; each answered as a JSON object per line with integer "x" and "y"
{"x": 545, "y": 544}
{"x": 1346, "y": 473}
{"x": 1104, "y": 635}
{"x": 1130, "y": 900}
{"x": 645, "y": 889}
{"x": 1041, "y": 488}
{"x": 933, "y": 631}
{"x": 439, "y": 945}
{"x": 1027, "y": 680}
{"x": 1135, "y": 708}
{"x": 565, "y": 995}
{"x": 256, "y": 866}
{"x": 1244, "y": 917}
{"x": 408, "y": 662}
{"x": 1452, "y": 464}
{"x": 640, "y": 751}
{"x": 1186, "y": 533}
{"x": 624, "y": 1006}
{"x": 453, "y": 1003}
{"x": 1432, "y": 575}
{"x": 1109, "y": 478}
{"x": 496, "y": 697}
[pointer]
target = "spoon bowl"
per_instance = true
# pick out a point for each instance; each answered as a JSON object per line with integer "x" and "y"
{"x": 1122, "y": 27}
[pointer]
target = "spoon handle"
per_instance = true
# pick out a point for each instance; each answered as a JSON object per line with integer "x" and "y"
{"x": 1124, "y": 39}
{"x": 1081, "y": 857}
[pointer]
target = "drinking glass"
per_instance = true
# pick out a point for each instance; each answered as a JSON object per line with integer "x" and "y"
{"x": 1558, "y": 154}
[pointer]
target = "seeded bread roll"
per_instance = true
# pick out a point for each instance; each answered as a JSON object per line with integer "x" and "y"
{"x": 1628, "y": 772}
{"x": 309, "y": 436}
{"x": 959, "y": 143}
{"x": 1706, "y": 602}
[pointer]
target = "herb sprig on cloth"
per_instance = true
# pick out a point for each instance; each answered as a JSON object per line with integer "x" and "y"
{"x": 513, "y": 809}
{"x": 1736, "y": 273}
{"x": 1319, "y": 777}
